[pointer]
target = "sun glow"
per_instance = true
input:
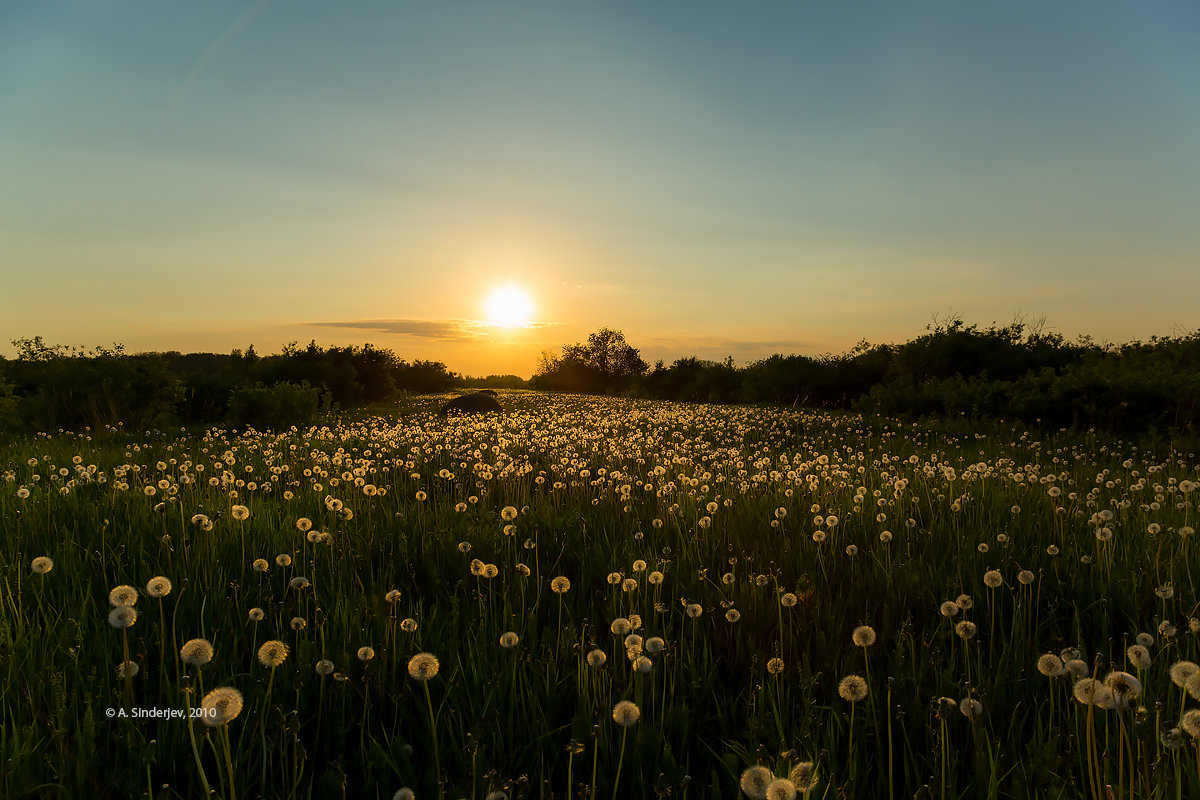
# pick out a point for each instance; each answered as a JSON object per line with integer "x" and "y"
{"x": 509, "y": 307}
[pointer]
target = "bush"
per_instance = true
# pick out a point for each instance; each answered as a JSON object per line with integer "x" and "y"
{"x": 62, "y": 388}
{"x": 275, "y": 407}
{"x": 8, "y": 406}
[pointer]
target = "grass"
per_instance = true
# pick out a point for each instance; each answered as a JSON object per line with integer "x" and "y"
{"x": 766, "y": 521}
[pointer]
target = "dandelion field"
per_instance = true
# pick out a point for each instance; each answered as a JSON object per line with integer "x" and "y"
{"x": 598, "y": 597}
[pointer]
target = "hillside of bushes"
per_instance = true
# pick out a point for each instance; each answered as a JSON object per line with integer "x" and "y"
{"x": 1014, "y": 372}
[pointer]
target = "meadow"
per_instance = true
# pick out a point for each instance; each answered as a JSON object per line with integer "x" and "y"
{"x": 598, "y": 597}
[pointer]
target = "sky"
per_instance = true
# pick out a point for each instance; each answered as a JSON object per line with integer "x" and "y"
{"x": 713, "y": 179}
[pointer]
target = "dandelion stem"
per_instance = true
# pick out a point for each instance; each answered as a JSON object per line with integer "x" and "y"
{"x": 195, "y": 750}
{"x": 620, "y": 763}
{"x": 437, "y": 762}
{"x": 228, "y": 760}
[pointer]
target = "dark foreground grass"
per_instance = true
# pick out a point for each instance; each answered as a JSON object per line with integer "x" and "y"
{"x": 740, "y": 548}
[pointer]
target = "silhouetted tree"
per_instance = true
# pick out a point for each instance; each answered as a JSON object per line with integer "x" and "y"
{"x": 605, "y": 364}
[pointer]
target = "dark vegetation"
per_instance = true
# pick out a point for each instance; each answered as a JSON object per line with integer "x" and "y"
{"x": 477, "y": 403}
{"x": 1015, "y": 372}
{"x": 48, "y": 387}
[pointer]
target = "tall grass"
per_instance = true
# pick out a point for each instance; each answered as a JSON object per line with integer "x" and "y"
{"x": 774, "y": 535}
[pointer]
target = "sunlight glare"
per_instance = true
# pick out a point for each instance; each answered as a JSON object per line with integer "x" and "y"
{"x": 509, "y": 307}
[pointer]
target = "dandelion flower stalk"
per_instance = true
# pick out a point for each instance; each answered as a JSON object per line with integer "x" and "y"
{"x": 187, "y": 693}
{"x": 626, "y": 714}
{"x": 422, "y": 667}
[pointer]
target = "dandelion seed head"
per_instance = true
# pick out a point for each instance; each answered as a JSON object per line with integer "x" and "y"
{"x": 365, "y": 654}
{"x": 324, "y": 667}
{"x": 1077, "y": 667}
{"x": 970, "y": 708}
{"x": 1125, "y": 688}
{"x": 196, "y": 652}
{"x": 626, "y": 713}
{"x": 423, "y": 666}
{"x": 256, "y": 614}
{"x": 158, "y": 587}
{"x": 804, "y": 776}
{"x": 272, "y": 653}
{"x": 122, "y": 616}
{"x": 1139, "y": 656}
{"x": 852, "y": 688}
{"x": 509, "y": 639}
{"x": 41, "y": 565}
{"x": 1192, "y": 686}
{"x": 222, "y": 706}
{"x": 123, "y": 595}
{"x": 1050, "y": 665}
{"x": 1181, "y": 671}
{"x": 1172, "y": 739}
{"x": 781, "y": 789}
{"x": 863, "y": 636}
{"x": 754, "y": 782}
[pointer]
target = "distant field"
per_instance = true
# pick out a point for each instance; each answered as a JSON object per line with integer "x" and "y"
{"x": 617, "y": 598}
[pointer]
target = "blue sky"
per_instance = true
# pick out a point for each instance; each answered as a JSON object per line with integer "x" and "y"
{"x": 712, "y": 179}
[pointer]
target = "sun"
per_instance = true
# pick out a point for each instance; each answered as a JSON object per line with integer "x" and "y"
{"x": 509, "y": 307}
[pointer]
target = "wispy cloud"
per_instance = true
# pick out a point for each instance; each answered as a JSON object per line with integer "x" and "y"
{"x": 211, "y": 52}
{"x": 440, "y": 330}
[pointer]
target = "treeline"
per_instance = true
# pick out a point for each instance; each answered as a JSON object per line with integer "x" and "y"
{"x": 48, "y": 387}
{"x": 1016, "y": 372}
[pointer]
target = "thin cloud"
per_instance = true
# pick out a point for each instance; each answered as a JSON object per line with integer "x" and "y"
{"x": 211, "y": 52}
{"x": 439, "y": 330}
